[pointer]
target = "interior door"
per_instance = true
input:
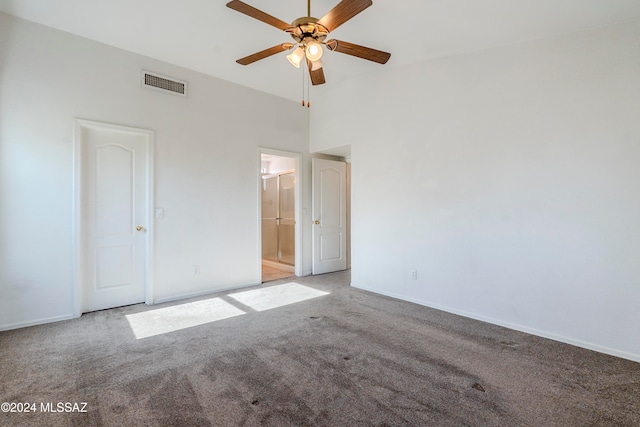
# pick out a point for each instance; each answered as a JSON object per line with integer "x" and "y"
{"x": 114, "y": 217}
{"x": 329, "y": 216}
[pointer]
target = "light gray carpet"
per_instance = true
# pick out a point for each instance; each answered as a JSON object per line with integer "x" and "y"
{"x": 348, "y": 358}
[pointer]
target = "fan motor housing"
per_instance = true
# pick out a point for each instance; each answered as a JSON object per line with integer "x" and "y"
{"x": 307, "y": 29}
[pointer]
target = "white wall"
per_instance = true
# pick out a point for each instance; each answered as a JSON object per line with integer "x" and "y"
{"x": 207, "y": 166}
{"x": 509, "y": 178}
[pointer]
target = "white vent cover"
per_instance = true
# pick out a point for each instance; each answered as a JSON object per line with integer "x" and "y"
{"x": 164, "y": 83}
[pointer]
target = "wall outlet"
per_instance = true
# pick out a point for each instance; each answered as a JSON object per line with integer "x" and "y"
{"x": 414, "y": 274}
{"x": 196, "y": 270}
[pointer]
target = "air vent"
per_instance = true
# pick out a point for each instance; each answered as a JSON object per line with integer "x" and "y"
{"x": 164, "y": 83}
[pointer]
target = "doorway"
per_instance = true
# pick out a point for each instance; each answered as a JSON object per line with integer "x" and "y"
{"x": 279, "y": 210}
{"x": 113, "y": 228}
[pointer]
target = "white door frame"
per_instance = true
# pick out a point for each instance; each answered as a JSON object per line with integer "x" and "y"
{"x": 78, "y": 267}
{"x": 298, "y": 204}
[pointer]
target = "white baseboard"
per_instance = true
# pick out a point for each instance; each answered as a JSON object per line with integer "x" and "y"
{"x": 520, "y": 328}
{"x": 35, "y": 322}
{"x": 202, "y": 293}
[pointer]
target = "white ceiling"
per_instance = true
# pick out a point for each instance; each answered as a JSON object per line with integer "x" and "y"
{"x": 206, "y": 36}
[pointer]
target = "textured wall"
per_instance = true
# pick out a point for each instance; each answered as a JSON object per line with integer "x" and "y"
{"x": 508, "y": 179}
{"x": 206, "y": 166}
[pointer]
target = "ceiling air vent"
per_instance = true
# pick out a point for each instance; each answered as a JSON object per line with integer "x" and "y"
{"x": 164, "y": 83}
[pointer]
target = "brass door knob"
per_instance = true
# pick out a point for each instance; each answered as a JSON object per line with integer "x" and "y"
{"x": 316, "y": 222}
{"x": 139, "y": 228}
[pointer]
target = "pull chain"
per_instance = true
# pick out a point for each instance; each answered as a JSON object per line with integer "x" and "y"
{"x": 308, "y": 91}
{"x": 308, "y": 88}
{"x": 302, "y": 86}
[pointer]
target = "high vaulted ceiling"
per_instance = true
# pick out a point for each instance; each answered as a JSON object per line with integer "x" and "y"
{"x": 206, "y": 36}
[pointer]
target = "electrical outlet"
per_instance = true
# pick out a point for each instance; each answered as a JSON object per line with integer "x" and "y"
{"x": 414, "y": 274}
{"x": 196, "y": 270}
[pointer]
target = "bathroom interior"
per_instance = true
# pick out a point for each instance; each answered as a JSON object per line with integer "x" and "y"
{"x": 278, "y": 216}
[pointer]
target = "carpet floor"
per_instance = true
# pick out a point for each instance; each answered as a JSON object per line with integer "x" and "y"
{"x": 330, "y": 355}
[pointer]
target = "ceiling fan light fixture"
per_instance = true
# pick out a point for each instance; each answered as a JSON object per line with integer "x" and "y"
{"x": 296, "y": 56}
{"x": 314, "y": 51}
{"x": 309, "y": 34}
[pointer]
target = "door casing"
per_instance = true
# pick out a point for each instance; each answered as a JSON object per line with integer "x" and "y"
{"x": 78, "y": 226}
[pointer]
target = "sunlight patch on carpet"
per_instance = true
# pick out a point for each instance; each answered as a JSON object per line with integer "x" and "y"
{"x": 262, "y": 299}
{"x": 169, "y": 319}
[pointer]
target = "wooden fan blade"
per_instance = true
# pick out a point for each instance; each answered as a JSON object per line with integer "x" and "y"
{"x": 342, "y": 12}
{"x": 317, "y": 76}
{"x": 264, "y": 53}
{"x": 360, "y": 51}
{"x": 257, "y": 14}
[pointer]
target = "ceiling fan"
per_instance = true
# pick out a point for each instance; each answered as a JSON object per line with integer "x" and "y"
{"x": 309, "y": 34}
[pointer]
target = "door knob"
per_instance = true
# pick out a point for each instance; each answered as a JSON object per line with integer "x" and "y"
{"x": 317, "y": 222}
{"x": 139, "y": 228}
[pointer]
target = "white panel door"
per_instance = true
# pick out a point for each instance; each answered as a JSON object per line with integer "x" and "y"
{"x": 329, "y": 216}
{"x": 114, "y": 217}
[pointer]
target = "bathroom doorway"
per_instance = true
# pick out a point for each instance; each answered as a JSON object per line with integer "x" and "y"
{"x": 278, "y": 201}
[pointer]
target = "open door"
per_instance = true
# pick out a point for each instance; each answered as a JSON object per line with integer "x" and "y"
{"x": 329, "y": 216}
